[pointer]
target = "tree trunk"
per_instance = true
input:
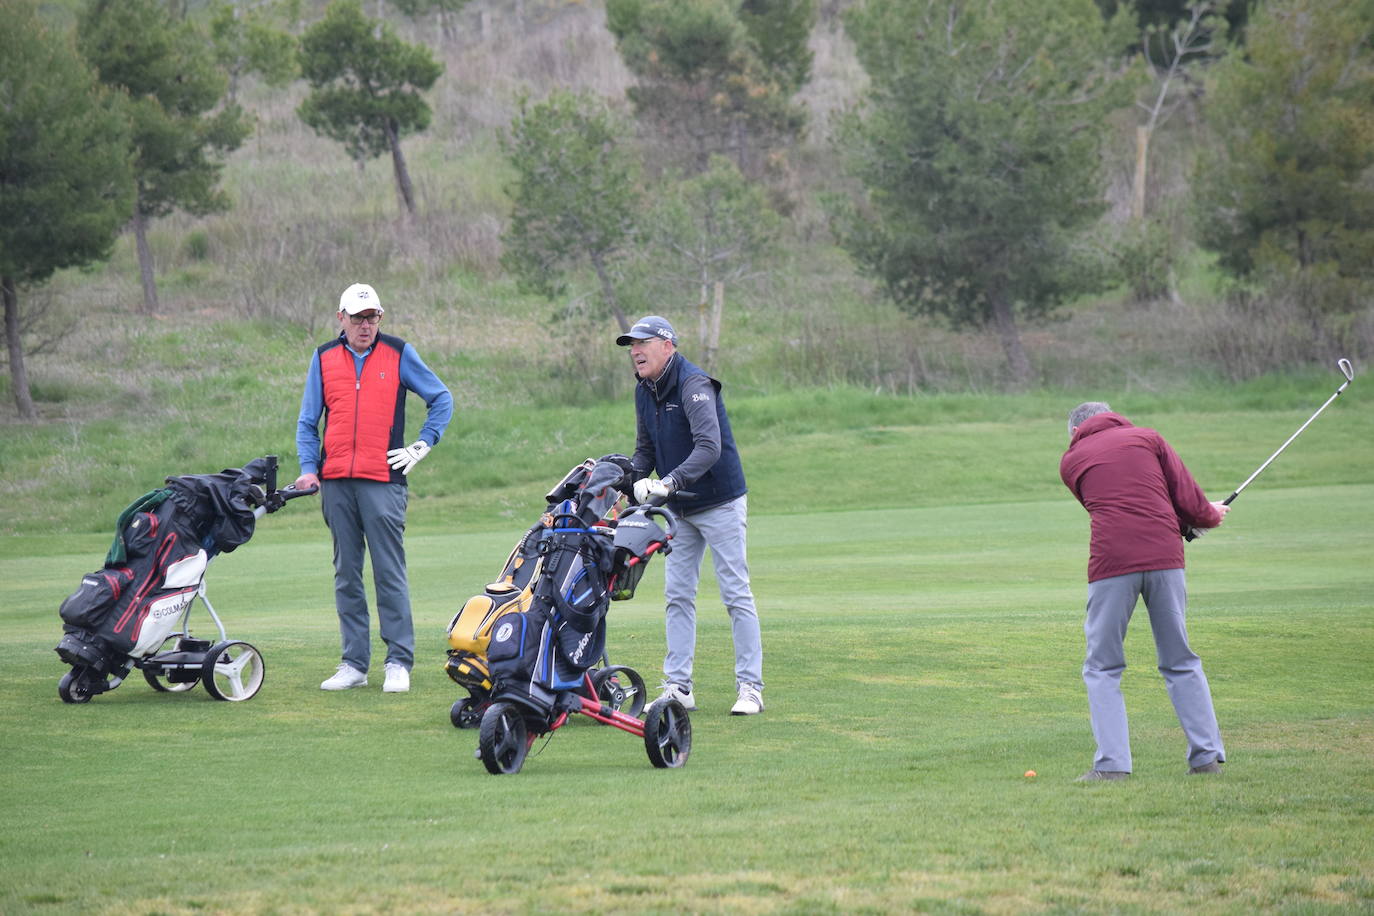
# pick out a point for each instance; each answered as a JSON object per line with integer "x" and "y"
{"x": 398, "y": 162}
{"x": 19, "y": 377}
{"x": 703, "y": 306}
{"x": 145, "y": 262}
{"x": 713, "y": 332}
{"x": 1005, "y": 322}
{"x": 1142, "y": 150}
{"x": 608, "y": 292}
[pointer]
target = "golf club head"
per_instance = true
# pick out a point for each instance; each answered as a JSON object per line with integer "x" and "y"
{"x": 1346, "y": 369}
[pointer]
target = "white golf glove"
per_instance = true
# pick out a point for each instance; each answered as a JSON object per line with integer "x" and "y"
{"x": 661, "y": 489}
{"x": 405, "y": 459}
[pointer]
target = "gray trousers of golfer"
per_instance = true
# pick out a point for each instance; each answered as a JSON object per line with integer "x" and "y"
{"x": 371, "y": 515}
{"x": 722, "y": 528}
{"x": 1110, "y": 605}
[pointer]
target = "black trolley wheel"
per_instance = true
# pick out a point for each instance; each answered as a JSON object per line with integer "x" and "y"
{"x": 667, "y": 733}
{"x": 162, "y": 684}
{"x": 72, "y": 688}
{"x": 466, "y": 713}
{"x": 621, "y": 688}
{"x": 503, "y": 739}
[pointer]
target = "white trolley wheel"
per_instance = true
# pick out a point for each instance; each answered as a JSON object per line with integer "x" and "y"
{"x": 232, "y": 671}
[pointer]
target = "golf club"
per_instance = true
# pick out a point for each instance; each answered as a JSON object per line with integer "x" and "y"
{"x": 1349, "y": 372}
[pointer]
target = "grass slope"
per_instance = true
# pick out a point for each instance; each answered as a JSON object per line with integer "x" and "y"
{"x": 922, "y": 624}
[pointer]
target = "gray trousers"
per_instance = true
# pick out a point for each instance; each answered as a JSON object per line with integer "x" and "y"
{"x": 1110, "y": 605}
{"x": 721, "y": 528}
{"x": 371, "y": 515}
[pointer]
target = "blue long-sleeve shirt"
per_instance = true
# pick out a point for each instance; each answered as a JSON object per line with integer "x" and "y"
{"x": 415, "y": 376}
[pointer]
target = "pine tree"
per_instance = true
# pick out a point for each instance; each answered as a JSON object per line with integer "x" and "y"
{"x": 1286, "y": 187}
{"x": 66, "y": 182}
{"x": 979, "y": 153}
{"x": 713, "y": 79}
{"x": 366, "y": 86}
{"x": 576, "y": 195}
{"x": 179, "y": 129}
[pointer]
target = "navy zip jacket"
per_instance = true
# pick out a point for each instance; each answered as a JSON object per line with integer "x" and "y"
{"x": 683, "y": 431}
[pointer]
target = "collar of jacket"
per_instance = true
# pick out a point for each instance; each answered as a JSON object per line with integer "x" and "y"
{"x": 657, "y": 386}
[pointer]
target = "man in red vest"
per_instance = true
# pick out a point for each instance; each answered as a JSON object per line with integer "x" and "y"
{"x": 358, "y": 382}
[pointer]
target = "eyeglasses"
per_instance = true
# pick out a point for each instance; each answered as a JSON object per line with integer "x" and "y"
{"x": 365, "y": 319}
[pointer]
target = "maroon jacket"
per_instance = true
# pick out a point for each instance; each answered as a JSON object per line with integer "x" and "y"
{"x": 1137, "y": 492}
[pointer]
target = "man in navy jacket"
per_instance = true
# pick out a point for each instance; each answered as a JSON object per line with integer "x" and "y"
{"x": 1141, "y": 499}
{"x": 683, "y": 432}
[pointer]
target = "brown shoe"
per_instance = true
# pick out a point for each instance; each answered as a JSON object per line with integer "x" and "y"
{"x": 1102, "y": 775}
{"x": 1213, "y": 767}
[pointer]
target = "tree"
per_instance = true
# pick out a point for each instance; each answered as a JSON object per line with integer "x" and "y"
{"x": 708, "y": 85}
{"x": 246, "y": 41}
{"x": 1200, "y": 35}
{"x": 978, "y": 154}
{"x": 179, "y": 130}
{"x": 576, "y": 195}
{"x": 1287, "y": 184}
{"x": 1158, "y": 14}
{"x": 444, "y": 10}
{"x": 710, "y": 230}
{"x": 66, "y": 182}
{"x": 780, "y": 31}
{"x": 366, "y": 86}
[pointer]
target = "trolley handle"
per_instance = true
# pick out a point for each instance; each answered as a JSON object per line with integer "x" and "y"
{"x": 278, "y": 498}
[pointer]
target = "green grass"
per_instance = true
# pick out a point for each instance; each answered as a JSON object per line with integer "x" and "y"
{"x": 919, "y": 571}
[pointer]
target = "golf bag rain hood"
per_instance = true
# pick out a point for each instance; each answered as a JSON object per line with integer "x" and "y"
{"x": 162, "y": 545}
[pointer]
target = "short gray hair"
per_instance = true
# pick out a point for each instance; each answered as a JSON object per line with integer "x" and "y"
{"x": 1085, "y": 410}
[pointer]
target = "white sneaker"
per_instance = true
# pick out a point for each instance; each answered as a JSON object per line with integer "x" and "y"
{"x": 397, "y": 678}
{"x": 682, "y": 694}
{"x": 346, "y": 677}
{"x": 750, "y": 702}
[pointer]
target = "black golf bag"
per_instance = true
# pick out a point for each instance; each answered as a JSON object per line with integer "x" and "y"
{"x": 124, "y": 612}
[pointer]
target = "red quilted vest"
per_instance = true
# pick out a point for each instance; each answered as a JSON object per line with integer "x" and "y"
{"x": 364, "y": 413}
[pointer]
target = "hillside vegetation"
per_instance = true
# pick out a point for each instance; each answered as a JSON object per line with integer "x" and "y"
{"x": 214, "y": 376}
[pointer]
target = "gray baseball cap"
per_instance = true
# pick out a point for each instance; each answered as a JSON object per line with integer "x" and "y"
{"x": 646, "y": 328}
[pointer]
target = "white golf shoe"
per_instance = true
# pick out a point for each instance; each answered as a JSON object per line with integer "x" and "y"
{"x": 677, "y": 692}
{"x": 345, "y": 678}
{"x": 397, "y": 678}
{"x": 750, "y": 702}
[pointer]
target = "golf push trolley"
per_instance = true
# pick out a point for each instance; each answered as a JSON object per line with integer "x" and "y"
{"x": 531, "y": 650}
{"x": 123, "y": 615}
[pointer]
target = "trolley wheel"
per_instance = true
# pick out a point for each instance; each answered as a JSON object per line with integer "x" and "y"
{"x": 503, "y": 739}
{"x": 73, "y": 688}
{"x": 160, "y": 683}
{"x": 466, "y": 713}
{"x": 620, "y": 687}
{"x": 667, "y": 733}
{"x": 232, "y": 671}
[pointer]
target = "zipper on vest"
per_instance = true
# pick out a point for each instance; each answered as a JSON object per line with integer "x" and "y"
{"x": 357, "y": 400}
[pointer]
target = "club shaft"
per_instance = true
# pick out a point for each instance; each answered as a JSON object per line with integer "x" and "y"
{"x": 1279, "y": 451}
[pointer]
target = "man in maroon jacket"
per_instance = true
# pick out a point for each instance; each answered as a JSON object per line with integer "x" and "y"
{"x": 1140, "y": 499}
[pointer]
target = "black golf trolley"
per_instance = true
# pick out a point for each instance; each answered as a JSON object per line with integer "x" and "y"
{"x": 531, "y": 650}
{"x": 124, "y": 615}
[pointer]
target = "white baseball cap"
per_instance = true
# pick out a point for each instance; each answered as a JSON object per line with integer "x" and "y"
{"x": 359, "y": 298}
